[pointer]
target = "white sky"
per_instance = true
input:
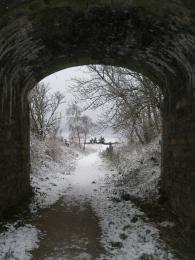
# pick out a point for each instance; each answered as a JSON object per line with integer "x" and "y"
{"x": 61, "y": 81}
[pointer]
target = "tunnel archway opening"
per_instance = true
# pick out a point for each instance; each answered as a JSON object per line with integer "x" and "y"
{"x": 129, "y": 102}
{"x": 93, "y": 167}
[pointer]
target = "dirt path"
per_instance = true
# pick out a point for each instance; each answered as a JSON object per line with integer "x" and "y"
{"x": 71, "y": 227}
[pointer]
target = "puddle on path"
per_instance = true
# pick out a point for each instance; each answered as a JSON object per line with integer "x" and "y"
{"x": 72, "y": 231}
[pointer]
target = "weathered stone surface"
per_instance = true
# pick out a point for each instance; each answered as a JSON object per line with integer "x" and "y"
{"x": 156, "y": 38}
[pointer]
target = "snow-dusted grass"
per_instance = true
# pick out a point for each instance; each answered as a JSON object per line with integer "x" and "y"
{"x": 138, "y": 170}
{"x": 51, "y": 162}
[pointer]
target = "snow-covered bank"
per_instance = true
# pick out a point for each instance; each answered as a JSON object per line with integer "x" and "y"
{"x": 51, "y": 161}
{"x": 138, "y": 170}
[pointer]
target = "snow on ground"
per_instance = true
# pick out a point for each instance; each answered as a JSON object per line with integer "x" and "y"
{"x": 127, "y": 233}
{"x": 17, "y": 242}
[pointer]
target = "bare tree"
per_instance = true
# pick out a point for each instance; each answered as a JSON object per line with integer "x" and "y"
{"x": 79, "y": 125}
{"x": 45, "y": 120}
{"x": 131, "y": 101}
{"x": 73, "y": 115}
{"x": 87, "y": 125}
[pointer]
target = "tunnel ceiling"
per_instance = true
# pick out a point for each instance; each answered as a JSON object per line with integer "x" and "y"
{"x": 153, "y": 37}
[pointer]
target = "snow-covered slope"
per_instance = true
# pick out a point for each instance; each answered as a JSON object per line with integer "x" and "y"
{"x": 51, "y": 161}
{"x": 138, "y": 170}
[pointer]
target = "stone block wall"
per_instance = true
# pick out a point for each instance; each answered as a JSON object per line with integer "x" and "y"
{"x": 178, "y": 160}
{"x": 14, "y": 160}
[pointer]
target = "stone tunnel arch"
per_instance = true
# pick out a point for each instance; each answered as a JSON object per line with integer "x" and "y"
{"x": 155, "y": 39}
